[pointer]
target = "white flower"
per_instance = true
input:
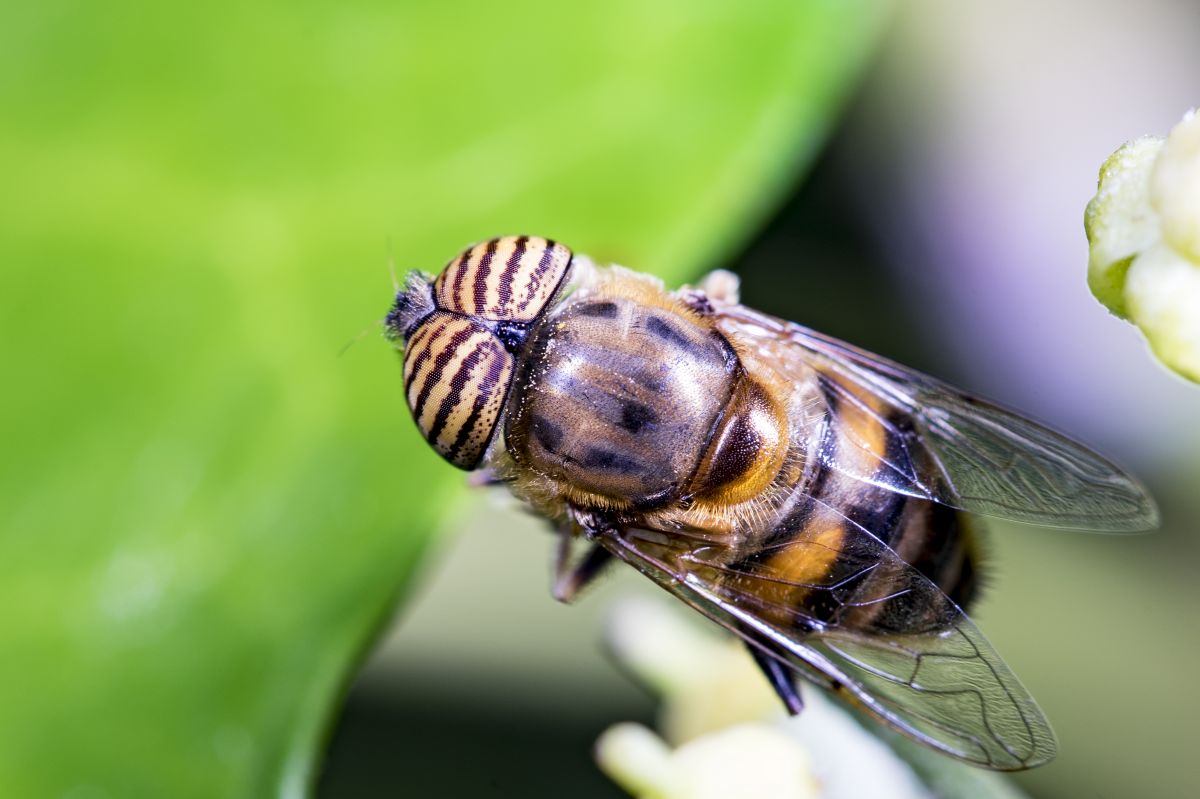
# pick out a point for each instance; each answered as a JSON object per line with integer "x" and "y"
{"x": 747, "y": 761}
{"x": 1143, "y": 228}
{"x": 732, "y": 736}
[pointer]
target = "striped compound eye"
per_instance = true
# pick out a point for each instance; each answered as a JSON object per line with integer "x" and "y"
{"x": 509, "y": 279}
{"x": 456, "y": 375}
{"x": 456, "y": 369}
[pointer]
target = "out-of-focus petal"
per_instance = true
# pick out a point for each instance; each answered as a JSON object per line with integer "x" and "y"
{"x": 635, "y": 758}
{"x": 711, "y": 686}
{"x": 848, "y": 760}
{"x": 709, "y": 683}
{"x": 747, "y": 761}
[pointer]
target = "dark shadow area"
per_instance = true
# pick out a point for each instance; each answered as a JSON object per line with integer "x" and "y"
{"x": 817, "y": 263}
{"x": 434, "y": 746}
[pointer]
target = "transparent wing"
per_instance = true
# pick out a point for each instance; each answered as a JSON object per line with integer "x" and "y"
{"x": 873, "y": 630}
{"x": 948, "y": 446}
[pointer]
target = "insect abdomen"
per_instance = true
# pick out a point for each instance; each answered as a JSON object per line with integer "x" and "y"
{"x": 942, "y": 544}
{"x": 822, "y": 576}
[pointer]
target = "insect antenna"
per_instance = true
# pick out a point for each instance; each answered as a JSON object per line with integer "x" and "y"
{"x": 358, "y": 338}
{"x": 391, "y": 262}
{"x": 392, "y": 266}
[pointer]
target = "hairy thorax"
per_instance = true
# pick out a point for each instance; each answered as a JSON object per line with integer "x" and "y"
{"x": 634, "y": 401}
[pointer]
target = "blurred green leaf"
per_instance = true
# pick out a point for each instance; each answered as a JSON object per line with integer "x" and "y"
{"x": 207, "y": 514}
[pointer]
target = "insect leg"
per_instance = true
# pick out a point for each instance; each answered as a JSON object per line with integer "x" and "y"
{"x": 781, "y": 679}
{"x": 572, "y": 575}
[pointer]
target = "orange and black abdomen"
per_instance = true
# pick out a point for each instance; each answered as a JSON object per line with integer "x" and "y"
{"x": 938, "y": 541}
{"x": 942, "y": 544}
{"x": 819, "y": 576}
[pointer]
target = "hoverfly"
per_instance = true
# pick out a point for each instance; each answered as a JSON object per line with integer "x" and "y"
{"x": 806, "y": 495}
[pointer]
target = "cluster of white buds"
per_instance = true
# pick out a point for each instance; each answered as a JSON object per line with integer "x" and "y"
{"x": 1143, "y": 228}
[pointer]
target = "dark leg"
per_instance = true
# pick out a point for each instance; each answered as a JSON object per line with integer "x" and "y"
{"x": 571, "y": 576}
{"x": 781, "y": 678}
